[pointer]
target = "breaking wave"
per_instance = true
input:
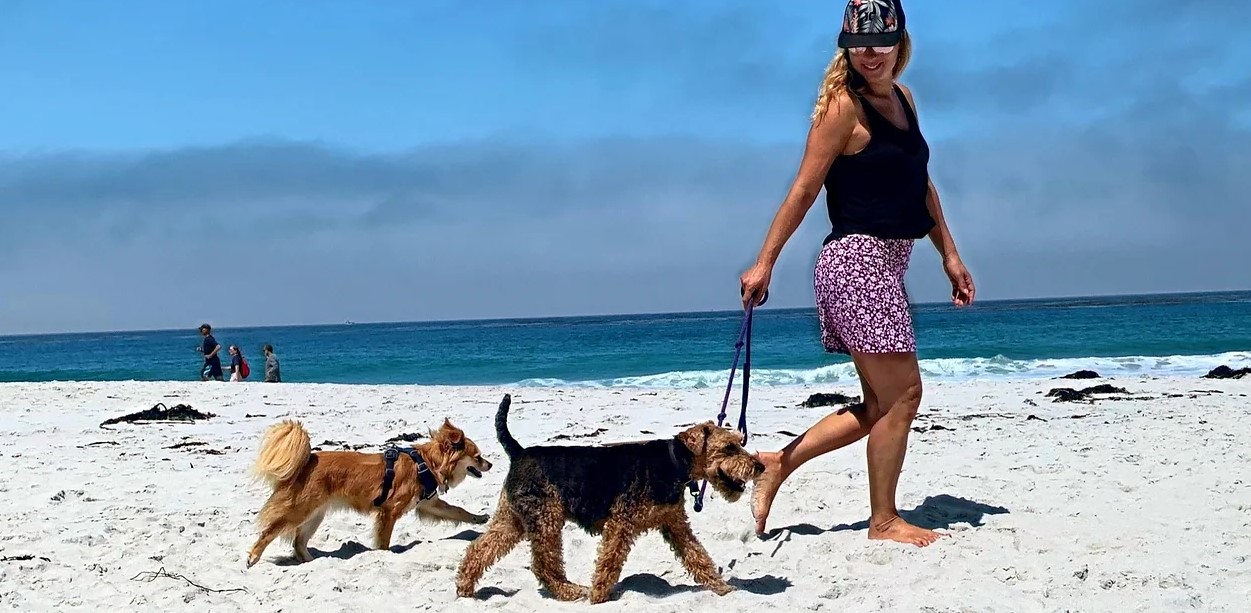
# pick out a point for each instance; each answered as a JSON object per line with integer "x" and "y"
{"x": 998, "y": 367}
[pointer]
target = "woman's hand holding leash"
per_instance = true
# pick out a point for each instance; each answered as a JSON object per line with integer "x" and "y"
{"x": 755, "y": 282}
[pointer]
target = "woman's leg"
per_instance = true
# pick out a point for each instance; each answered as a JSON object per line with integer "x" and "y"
{"x": 834, "y": 431}
{"x": 896, "y": 378}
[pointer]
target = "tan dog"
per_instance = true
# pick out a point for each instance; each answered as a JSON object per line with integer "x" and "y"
{"x": 307, "y": 485}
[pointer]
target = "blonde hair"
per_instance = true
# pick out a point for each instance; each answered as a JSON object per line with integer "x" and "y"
{"x": 840, "y": 78}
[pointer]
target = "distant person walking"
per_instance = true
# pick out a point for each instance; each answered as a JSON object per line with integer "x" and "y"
{"x": 272, "y": 375}
{"x": 212, "y": 360}
{"x": 238, "y": 364}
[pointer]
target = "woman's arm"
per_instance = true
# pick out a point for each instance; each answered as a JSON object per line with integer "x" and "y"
{"x": 826, "y": 139}
{"x": 962, "y": 288}
{"x": 941, "y": 234}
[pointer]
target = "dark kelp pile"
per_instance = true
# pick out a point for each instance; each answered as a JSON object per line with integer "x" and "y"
{"x": 1065, "y": 394}
{"x": 828, "y": 399}
{"x": 1225, "y": 372}
{"x": 1082, "y": 374}
{"x": 182, "y": 413}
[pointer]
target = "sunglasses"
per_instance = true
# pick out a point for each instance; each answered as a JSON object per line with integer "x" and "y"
{"x": 878, "y": 50}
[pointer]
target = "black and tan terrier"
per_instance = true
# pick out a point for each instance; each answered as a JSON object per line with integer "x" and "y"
{"x": 617, "y": 491}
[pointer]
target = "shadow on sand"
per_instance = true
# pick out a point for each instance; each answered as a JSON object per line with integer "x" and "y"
{"x": 656, "y": 587}
{"x": 346, "y": 551}
{"x": 463, "y": 535}
{"x": 351, "y": 549}
{"x": 935, "y": 513}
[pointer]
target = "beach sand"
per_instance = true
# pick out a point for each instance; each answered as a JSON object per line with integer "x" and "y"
{"x": 1138, "y": 504}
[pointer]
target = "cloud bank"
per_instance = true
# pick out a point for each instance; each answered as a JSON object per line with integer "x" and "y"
{"x": 1066, "y": 168}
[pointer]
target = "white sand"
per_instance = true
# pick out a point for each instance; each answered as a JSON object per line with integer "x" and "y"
{"x": 1142, "y": 505}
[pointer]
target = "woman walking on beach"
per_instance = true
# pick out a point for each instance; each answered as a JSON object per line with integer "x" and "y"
{"x": 866, "y": 148}
{"x": 238, "y": 364}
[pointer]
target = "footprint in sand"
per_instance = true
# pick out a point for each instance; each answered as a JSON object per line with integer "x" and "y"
{"x": 881, "y": 557}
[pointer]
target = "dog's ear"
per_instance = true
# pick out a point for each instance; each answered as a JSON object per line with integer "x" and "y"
{"x": 454, "y": 436}
{"x": 696, "y": 437}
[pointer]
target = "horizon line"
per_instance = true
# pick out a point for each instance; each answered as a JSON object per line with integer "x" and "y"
{"x": 597, "y": 315}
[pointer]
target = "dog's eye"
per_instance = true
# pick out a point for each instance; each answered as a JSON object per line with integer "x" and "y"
{"x": 730, "y": 449}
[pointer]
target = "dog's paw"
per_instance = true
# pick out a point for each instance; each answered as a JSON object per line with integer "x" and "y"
{"x": 721, "y": 590}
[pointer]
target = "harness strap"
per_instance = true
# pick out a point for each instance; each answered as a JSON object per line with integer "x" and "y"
{"x": 429, "y": 485}
{"x": 742, "y": 345}
{"x": 388, "y": 475}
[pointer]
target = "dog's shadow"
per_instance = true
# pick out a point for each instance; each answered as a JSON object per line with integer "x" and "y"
{"x": 351, "y": 549}
{"x": 464, "y": 535}
{"x": 346, "y": 551}
{"x": 935, "y": 513}
{"x": 656, "y": 587}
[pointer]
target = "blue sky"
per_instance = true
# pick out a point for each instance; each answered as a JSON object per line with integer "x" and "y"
{"x": 296, "y": 162}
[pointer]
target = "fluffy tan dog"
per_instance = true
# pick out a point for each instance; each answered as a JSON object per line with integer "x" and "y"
{"x": 307, "y": 485}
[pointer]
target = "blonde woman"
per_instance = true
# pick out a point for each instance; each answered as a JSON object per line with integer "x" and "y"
{"x": 865, "y": 147}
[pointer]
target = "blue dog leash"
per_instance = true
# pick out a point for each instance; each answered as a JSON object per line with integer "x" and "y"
{"x": 741, "y": 346}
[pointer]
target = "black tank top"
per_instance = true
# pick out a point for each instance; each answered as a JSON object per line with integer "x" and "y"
{"x": 881, "y": 190}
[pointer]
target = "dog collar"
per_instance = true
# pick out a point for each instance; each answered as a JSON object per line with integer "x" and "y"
{"x": 425, "y": 476}
{"x": 681, "y": 465}
{"x": 684, "y": 472}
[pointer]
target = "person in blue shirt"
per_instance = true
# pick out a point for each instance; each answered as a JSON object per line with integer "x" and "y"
{"x": 212, "y": 360}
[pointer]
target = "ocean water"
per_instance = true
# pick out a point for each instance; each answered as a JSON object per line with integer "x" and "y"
{"x": 1164, "y": 334}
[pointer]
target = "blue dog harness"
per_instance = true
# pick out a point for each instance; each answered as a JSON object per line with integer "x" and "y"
{"x": 429, "y": 485}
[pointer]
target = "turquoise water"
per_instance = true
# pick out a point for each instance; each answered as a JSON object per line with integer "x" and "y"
{"x": 1168, "y": 334}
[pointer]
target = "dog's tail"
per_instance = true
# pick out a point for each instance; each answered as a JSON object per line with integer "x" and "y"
{"x": 511, "y": 446}
{"x": 284, "y": 451}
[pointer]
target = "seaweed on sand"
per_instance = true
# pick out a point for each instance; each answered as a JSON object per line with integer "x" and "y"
{"x": 160, "y": 413}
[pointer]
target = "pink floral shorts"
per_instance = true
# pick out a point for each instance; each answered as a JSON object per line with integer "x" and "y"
{"x": 861, "y": 299}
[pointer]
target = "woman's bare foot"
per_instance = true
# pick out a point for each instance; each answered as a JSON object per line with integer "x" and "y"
{"x": 896, "y": 529}
{"x": 766, "y": 487}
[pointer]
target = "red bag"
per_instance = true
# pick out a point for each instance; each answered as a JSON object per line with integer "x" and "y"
{"x": 244, "y": 371}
